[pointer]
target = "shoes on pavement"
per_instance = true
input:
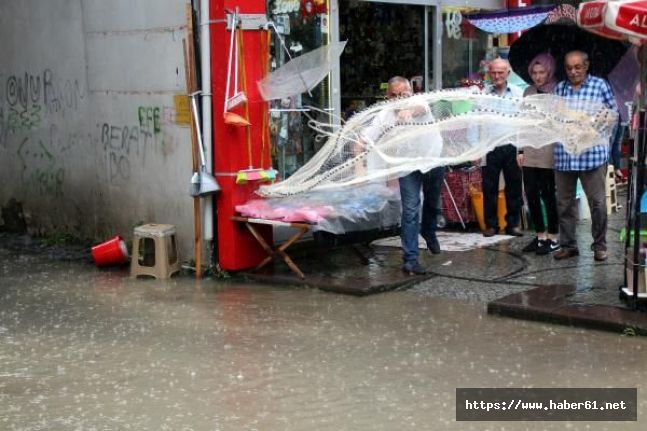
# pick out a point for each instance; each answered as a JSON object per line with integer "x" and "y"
{"x": 514, "y": 231}
{"x": 600, "y": 255}
{"x": 433, "y": 246}
{"x": 413, "y": 268}
{"x": 547, "y": 246}
{"x": 565, "y": 253}
{"x": 489, "y": 232}
{"x": 532, "y": 245}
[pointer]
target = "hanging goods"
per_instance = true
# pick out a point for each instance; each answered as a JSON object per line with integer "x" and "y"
{"x": 251, "y": 173}
{"x": 202, "y": 182}
{"x": 238, "y": 97}
{"x": 301, "y": 74}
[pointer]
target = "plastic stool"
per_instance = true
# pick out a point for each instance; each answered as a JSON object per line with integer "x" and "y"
{"x": 610, "y": 187}
{"x": 154, "y": 251}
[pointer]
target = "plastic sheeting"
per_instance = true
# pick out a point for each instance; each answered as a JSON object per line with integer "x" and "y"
{"x": 394, "y": 138}
{"x": 372, "y": 206}
{"x": 350, "y": 183}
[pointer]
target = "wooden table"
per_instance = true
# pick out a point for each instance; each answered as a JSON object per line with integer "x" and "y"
{"x": 301, "y": 229}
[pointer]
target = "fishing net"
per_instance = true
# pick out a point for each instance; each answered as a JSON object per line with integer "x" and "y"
{"x": 396, "y": 137}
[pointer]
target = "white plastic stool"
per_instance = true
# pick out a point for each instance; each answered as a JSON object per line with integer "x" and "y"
{"x": 154, "y": 251}
{"x": 610, "y": 187}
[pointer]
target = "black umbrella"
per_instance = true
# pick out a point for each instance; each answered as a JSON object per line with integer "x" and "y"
{"x": 557, "y": 40}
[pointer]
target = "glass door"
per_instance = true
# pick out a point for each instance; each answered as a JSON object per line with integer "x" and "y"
{"x": 384, "y": 39}
{"x": 302, "y": 26}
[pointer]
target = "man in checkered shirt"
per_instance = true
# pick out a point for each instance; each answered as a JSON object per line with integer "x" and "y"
{"x": 590, "y": 166}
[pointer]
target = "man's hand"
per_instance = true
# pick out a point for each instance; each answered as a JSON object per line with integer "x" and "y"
{"x": 520, "y": 160}
{"x": 414, "y": 111}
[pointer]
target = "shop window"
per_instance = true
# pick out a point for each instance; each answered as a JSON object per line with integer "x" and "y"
{"x": 304, "y": 26}
{"x": 464, "y": 49}
{"x": 384, "y": 40}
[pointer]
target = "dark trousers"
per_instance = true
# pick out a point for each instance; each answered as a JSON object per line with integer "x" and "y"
{"x": 540, "y": 186}
{"x": 594, "y": 185}
{"x": 502, "y": 159}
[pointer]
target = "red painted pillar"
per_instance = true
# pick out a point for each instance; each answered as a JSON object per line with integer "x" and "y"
{"x": 237, "y": 249}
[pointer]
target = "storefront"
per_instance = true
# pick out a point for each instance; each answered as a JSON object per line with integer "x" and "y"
{"x": 427, "y": 41}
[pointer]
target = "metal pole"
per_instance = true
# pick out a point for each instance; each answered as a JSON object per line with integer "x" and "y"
{"x": 640, "y": 186}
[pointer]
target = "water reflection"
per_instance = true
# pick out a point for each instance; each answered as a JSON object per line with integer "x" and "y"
{"x": 85, "y": 349}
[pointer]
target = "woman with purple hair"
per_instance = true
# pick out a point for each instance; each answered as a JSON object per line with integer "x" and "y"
{"x": 537, "y": 165}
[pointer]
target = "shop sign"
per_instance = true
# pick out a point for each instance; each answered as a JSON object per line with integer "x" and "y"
{"x": 286, "y": 6}
{"x": 453, "y": 24}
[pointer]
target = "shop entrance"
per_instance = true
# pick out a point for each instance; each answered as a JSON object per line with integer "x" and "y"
{"x": 384, "y": 40}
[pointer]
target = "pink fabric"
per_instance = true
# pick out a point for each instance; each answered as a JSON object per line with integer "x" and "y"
{"x": 259, "y": 208}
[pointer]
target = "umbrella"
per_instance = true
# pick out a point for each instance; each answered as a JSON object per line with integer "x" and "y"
{"x": 558, "y": 39}
{"x": 623, "y": 79}
{"x": 301, "y": 74}
{"x": 509, "y": 20}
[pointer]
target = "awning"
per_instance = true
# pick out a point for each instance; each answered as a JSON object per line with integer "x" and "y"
{"x": 509, "y": 20}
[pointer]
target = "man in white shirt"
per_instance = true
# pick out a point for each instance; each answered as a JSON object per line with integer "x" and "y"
{"x": 502, "y": 158}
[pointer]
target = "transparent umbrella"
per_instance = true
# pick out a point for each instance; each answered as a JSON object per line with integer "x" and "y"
{"x": 301, "y": 74}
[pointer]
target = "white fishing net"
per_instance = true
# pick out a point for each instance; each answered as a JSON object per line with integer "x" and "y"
{"x": 348, "y": 185}
{"x": 396, "y": 137}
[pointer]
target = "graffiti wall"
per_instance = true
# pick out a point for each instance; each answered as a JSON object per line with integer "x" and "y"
{"x": 90, "y": 141}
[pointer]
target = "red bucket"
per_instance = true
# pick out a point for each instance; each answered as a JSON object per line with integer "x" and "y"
{"x": 111, "y": 252}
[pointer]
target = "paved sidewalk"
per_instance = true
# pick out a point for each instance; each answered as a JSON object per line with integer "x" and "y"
{"x": 576, "y": 291}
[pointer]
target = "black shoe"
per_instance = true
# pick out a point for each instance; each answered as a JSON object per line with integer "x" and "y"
{"x": 548, "y": 246}
{"x": 514, "y": 231}
{"x": 533, "y": 245}
{"x": 489, "y": 232}
{"x": 413, "y": 268}
{"x": 433, "y": 246}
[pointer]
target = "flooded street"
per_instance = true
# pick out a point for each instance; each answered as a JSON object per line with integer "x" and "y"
{"x": 84, "y": 349}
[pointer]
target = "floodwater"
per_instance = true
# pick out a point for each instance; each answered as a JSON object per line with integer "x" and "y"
{"x": 84, "y": 349}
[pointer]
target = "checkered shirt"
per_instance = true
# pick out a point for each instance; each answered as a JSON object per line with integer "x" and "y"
{"x": 592, "y": 88}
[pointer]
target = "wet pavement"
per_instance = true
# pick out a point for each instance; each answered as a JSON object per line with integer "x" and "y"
{"x": 84, "y": 349}
{"x": 576, "y": 291}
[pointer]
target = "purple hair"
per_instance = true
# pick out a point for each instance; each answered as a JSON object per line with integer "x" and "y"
{"x": 548, "y": 62}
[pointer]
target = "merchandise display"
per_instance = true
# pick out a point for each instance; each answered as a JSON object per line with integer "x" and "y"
{"x": 372, "y": 206}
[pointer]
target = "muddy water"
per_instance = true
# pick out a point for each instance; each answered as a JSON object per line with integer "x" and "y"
{"x": 82, "y": 349}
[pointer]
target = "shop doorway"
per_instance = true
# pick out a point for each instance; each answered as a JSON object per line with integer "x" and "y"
{"x": 384, "y": 40}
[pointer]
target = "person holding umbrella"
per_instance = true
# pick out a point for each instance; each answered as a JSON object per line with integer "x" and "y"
{"x": 537, "y": 166}
{"x": 502, "y": 158}
{"x": 590, "y": 167}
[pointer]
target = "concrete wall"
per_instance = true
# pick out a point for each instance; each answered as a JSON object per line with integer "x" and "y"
{"x": 89, "y": 141}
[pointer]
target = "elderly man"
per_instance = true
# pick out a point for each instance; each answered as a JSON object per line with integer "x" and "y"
{"x": 590, "y": 167}
{"x": 503, "y": 158}
{"x": 411, "y": 223}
